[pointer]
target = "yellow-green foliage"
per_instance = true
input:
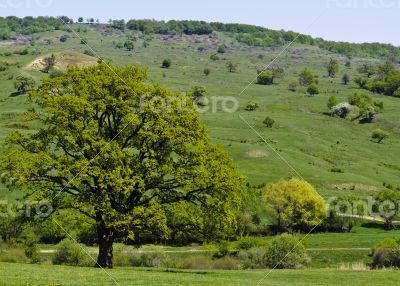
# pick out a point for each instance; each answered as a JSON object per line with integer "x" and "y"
{"x": 295, "y": 204}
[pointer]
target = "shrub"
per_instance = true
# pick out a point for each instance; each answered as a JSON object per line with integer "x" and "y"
{"x": 232, "y": 67}
{"x": 379, "y": 135}
{"x": 166, "y": 63}
{"x": 222, "y": 249}
{"x": 197, "y": 262}
{"x": 206, "y": 71}
{"x": 214, "y": 57}
{"x": 221, "y": 49}
{"x": 361, "y": 82}
{"x": 70, "y": 253}
{"x": 145, "y": 260}
{"x": 251, "y": 106}
{"x": 286, "y": 252}
{"x": 269, "y": 122}
{"x": 313, "y": 89}
{"x": 24, "y": 83}
{"x": 343, "y": 110}
{"x": 306, "y": 77}
{"x": 249, "y": 242}
{"x": 226, "y": 263}
{"x": 265, "y": 78}
{"x": 293, "y": 86}
{"x": 332, "y": 101}
{"x": 252, "y": 258}
{"x": 3, "y": 66}
{"x": 89, "y": 53}
{"x": 345, "y": 79}
{"x": 64, "y": 38}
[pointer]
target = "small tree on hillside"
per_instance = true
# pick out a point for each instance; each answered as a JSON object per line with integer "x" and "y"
{"x": 80, "y": 20}
{"x": 129, "y": 45}
{"x": 24, "y": 83}
{"x": 265, "y": 78}
{"x": 221, "y": 49}
{"x": 294, "y": 204}
{"x": 313, "y": 89}
{"x": 332, "y": 101}
{"x": 379, "y": 135}
{"x": 293, "y": 86}
{"x": 367, "y": 69}
{"x": 332, "y": 67}
{"x": 166, "y": 63}
{"x": 48, "y": 63}
{"x": 345, "y": 79}
{"x": 306, "y": 77}
{"x": 269, "y": 122}
{"x": 232, "y": 67}
{"x": 206, "y": 71}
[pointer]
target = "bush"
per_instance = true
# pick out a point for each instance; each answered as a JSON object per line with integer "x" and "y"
{"x": 293, "y": 86}
{"x": 221, "y": 49}
{"x": 214, "y": 57}
{"x": 70, "y": 253}
{"x": 249, "y": 242}
{"x": 64, "y": 38}
{"x": 332, "y": 101}
{"x": 313, "y": 89}
{"x": 269, "y": 122}
{"x": 89, "y": 53}
{"x": 252, "y": 258}
{"x": 223, "y": 249}
{"x": 379, "y": 135}
{"x": 197, "y": 262}
{"x": 286, "y": 252}
{"x": 145, "y": 260}
{"x": 206, "y": 71}
{"x": 166, "y": 63}
{"x": 251, "y": 106}
{"x": 344, "y": 110}
{"x": 265, "y": 78}
{"x": 3, "y": 66}
{"x": 226, "y": 263}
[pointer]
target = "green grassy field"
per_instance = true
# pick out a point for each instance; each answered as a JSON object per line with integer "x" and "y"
{"x": 312, "y": 142}
{"x": 17, "y": 274}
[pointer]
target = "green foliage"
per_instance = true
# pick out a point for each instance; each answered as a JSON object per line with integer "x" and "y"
{"x": 367, "y": 69}
{"x": 166, "y": 63}
{"x": 367, "y": 108}
{"x": 89, "y": 53}
{"x": 64, "y": 38}
{"x": 332, "y": 67}
{"x": 232, "y": 67}
{"x": 286, "y": 252}
{"x": 361, "y": 82}
{"x": 249, "y": 242}
{"x": 69, "y": 252}
{"x": 148, "y": 165}
{"x": 198, "y": 94}
{"x": 387, "y": 204}
{"x": 251, "y": 106}
{"x": 221, "y": 49}
{"x": 24, "y": 83}
{"x": 332, "y": 101}
{"x": 386, "y": 253}
{"x": 269, "y": 122}
{"x": 313, "y": 89}
{"x": 222, "y": 249}
{"x": 293, "y": 86}
{"x": 129, "y": 45}
{"x": 214, "y": 57}
{"x": 294, "y": 204}
{"x": 345, "y": 79}
{"x": 48, "y": 63}
{"x": 306, "y": 78}
{"x": 379, "y": 135}
{"x": 206, "y": 71}
{"x": 265, "y": 78}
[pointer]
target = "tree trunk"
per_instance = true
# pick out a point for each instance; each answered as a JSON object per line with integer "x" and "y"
{"x": 106, "y": 239}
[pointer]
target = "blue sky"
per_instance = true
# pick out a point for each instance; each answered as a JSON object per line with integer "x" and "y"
{"x": 345, "y": 20}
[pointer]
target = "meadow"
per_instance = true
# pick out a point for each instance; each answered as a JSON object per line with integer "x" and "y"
{"x": 311, "y": 142}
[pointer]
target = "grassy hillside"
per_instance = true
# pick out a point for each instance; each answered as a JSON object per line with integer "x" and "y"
{"x": 312, "y": 142}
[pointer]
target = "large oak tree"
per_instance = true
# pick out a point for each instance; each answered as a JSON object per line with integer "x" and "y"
{"x": 121, "y": 151}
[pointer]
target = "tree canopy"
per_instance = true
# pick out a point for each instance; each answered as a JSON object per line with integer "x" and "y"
{"x": 120, "y": 152}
